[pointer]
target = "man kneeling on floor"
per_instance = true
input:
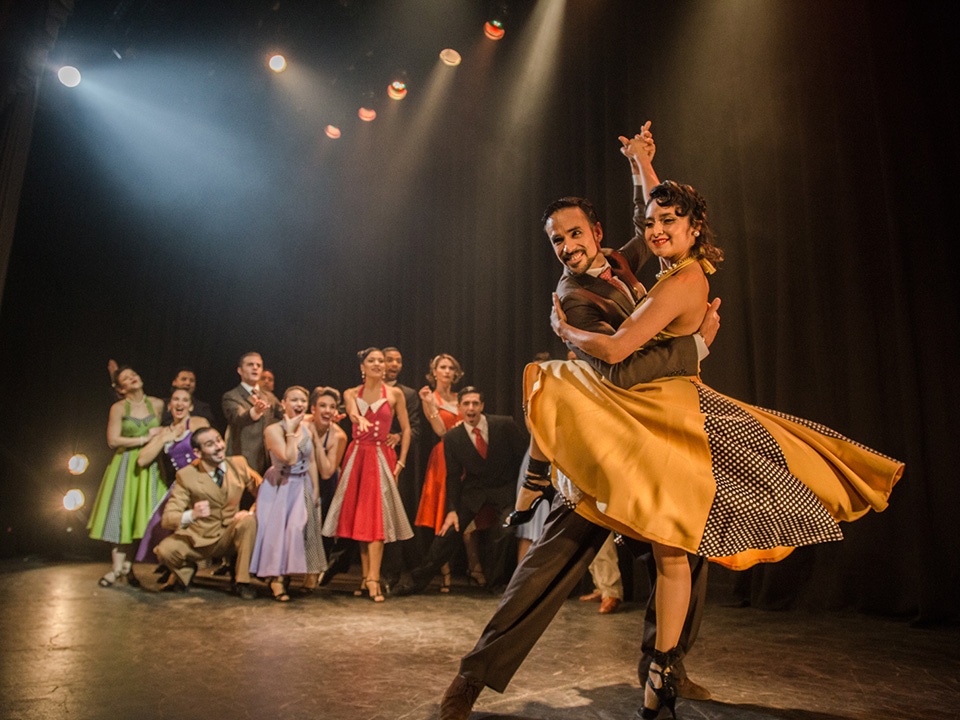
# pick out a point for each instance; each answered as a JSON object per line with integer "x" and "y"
{"x": 203, "y": 514}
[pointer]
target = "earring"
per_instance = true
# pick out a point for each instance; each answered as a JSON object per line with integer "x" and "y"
{"x": 696, "y": 233}
{"x": 363, "y": 374}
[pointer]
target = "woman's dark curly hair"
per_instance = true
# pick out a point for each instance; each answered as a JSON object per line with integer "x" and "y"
{"x": 689, "y": 203}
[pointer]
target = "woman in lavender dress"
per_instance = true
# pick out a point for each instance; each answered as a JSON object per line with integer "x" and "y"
{"x": 283, "y": 514}
{"x": 172, "y": 446}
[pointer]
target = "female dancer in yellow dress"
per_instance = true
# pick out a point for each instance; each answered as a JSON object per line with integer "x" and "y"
{"x": 677, "y": 464}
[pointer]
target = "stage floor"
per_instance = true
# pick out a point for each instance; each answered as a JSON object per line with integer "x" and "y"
{"x": 73, "y": 650}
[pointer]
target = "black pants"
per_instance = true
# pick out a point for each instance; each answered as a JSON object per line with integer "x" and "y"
{"x": 444, "y": 548}
{"x": 543, "y": 581}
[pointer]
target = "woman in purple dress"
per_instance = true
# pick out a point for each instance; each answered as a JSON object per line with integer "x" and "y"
{"x": 172, "y": 446}
{"x": 287, "y": 498}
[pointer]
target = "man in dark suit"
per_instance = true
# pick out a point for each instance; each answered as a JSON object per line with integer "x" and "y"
{"x": 598, "y": 290}
{"x": 248, "y": 409}
{"x": 483, "y": 455}
{"x": 186, "y": 379}
{"x": 204, "y": 514}
{"x": 404, "y": 554}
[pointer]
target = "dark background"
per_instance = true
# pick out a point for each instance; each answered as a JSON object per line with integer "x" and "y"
{"x": 183, "y": 205}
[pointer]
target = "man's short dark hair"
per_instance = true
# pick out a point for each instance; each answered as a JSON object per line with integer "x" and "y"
{"x": 469, "y": 390}
{"x": 571, "y": 202}
{"x": 246, "y": 355}
{"x": 195, "y": 438}
{"x": 392, "y": 349}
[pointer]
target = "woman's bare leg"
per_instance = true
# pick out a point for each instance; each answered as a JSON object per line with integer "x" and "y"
{"x": 672, "y": 601}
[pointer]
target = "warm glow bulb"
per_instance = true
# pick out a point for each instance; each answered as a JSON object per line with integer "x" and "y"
{"x": 69, "y": 76}
{"x": 332, "y": 131}
{"x": 397, "y": 90}
{"x": 73, "y": 500}
{"x": 367, "y": 114}
{"x": 77, "y": 465}
{"x": 450, "y": 57}
{"x": 277, "y": 63}
{"x": 493, "y": 29}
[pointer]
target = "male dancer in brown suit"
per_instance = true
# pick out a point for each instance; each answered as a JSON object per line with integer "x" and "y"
{"x": 248, "y": 409}
{"x": 553, "y": 566}
{"x": 203, "y": 513}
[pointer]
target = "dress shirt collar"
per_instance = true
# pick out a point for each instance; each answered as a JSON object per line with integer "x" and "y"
{"x": 484, "y": 430}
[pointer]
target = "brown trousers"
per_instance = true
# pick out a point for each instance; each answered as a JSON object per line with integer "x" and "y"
{"x": 178, "y": 554}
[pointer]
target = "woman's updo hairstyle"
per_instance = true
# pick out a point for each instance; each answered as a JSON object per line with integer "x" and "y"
{"x": 689, "y": 203}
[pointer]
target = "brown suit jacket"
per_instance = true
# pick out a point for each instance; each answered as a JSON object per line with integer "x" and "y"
{"x": 594, "y": 304}
{"x": 245, "y": 436}
{"x": 193, "y": 484}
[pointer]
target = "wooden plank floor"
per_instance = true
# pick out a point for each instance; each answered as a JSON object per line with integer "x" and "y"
{"x": 73, "y": 650}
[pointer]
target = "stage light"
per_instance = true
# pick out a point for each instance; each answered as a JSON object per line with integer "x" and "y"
{"x": 77, "y": 464}
{"x": 367, "y": 114}
{"x": 69, "y": 76}
{"x": 450, "y": 57}
{"x": 73, "y": 500}
{"x": 397, "y": 90}
{"x": 493, "y": 29}
{"x": 332, "y": 131}
{"x": 277, "y": 63}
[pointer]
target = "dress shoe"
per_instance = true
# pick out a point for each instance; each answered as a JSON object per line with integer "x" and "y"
{"x": 245, "y": 591}
{"x": 595, "y": 596}
{"x": 458, "y": 700}
{"x": 173, "y": 587}
{"x": 609, "y": 605}
{"x": 687, "y": 688}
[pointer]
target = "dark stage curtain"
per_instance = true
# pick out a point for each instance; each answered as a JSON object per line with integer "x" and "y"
{"x": 822, "y": 135}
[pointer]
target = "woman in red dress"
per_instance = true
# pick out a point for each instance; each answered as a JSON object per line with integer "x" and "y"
{"x": 366, "y": 506}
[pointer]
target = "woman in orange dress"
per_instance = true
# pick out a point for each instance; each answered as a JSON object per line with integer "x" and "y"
{"x": 439, "y": 403}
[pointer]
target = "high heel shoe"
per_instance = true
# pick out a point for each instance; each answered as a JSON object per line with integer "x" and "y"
{"x": 116, "y": 571}
{"x": 377, "y": 596}
{"x": 666, "y": 691}
{"x": 132, "y": 580}
{"x": 445, "y": 582}
{"x": 359, "y": 592}
{"x": 533, "y": 483}
{"x": 476, "y": 577}
{"x": 279, "y": 590}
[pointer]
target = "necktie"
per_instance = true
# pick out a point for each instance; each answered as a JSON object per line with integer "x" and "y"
{"x": 218, "y": 477}
{"x": 481, "y": 443}
{"x": 608, "y": 275}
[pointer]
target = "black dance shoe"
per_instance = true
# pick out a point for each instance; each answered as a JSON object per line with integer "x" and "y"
{"x": 534, "y": 483}
{"x": 666, "y": 690}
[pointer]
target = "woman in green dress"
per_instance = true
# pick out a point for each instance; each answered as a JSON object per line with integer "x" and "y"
{"x": 128, "y": 493}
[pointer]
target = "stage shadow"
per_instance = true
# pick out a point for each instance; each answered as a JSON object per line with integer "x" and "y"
{"x": 621, "y": 700}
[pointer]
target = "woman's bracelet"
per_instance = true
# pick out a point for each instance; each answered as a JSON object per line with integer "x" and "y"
{"x": 400, "y": 464}
{"x": 434, "y": 416}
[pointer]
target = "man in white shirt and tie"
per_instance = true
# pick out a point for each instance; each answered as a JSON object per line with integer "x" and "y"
{"x": 248, "y": 409}
{"x": 483, "y": 456}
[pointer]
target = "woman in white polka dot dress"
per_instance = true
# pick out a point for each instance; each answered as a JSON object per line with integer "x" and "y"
{"x": 677, "y": 464}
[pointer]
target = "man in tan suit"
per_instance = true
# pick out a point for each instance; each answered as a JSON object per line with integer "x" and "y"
{"x": 203, "y": 513}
